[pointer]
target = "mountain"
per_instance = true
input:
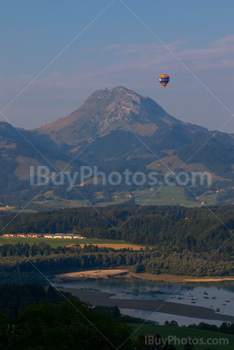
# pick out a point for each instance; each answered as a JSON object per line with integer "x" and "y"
{"x": 20, "y": 149}
{"x": 114, "y": 129}
{"x": 108, "y": 110}
{"x": 111, "y": 110}
{"x": 130, "y": 130}
{"x": 121, "y": 121}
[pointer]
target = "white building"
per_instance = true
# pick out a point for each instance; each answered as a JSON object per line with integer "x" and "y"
{"x": 59, "y": 235}
{"x": 48, "y": 235}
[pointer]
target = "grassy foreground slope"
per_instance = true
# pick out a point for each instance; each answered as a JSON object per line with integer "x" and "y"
{"x": 183, "y": 332}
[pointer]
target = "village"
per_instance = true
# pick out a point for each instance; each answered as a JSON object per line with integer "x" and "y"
{"x": 45, "y": 235}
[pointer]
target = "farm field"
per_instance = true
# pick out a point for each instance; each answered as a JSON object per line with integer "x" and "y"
{"x": 54, "y": 243}
{"x": 164, "y": 195}
{"x": 117, "y": 246}
{"x": 182, "y": 332}
{"x": 169, "y": 195}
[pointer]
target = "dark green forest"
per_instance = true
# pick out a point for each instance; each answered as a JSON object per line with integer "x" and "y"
{"x": 177, "y": 240}
{"x": 34, "y": 318}
{"x": 166, "y": 227}
{"x": 21, "y": 261}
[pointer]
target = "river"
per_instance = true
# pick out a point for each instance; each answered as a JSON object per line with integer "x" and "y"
{"x": 218, "y": 296}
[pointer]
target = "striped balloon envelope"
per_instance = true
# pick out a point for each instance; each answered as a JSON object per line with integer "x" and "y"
{"x": 164, "y": 79}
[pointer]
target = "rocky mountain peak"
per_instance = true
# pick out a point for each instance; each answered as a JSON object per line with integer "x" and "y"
{"x": 118, "y": 106}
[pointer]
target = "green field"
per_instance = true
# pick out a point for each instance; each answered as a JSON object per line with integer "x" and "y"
{"x": 169, "y": 195}
{"x": 183, "y": 332}
{"x": 164, "y": 195}
{"x": 54, "y": 243}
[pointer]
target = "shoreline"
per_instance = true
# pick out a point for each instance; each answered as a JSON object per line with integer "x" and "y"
{"x": 124, "y": 273}
{"x": 180, "y": 279}
{"x": 109, "y": 300}
{"x": 92, "y": 274}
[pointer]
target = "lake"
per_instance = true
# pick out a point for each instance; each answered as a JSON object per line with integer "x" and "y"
{"x": 218, "y": 296}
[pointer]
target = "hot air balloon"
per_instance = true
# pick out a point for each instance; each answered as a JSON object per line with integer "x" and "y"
{"x": 164, "y": 79}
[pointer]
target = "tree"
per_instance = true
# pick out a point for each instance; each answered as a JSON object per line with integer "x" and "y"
{"x": 69, "y": 325}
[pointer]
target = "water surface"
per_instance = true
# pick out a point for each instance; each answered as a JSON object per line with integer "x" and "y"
{"x": 218, "y": 296}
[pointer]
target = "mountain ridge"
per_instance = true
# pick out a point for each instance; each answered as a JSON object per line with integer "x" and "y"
{"x": 105, "y": 107}
{"x": 115, "y": 129}
{"x": 116, "y": 114}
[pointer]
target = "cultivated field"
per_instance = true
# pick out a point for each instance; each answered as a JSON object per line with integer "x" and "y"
{"x": 118, "y": 246}
{"x": 165, "y": 195}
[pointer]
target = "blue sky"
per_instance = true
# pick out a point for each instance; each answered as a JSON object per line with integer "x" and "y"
{"x": 117, "y": 50}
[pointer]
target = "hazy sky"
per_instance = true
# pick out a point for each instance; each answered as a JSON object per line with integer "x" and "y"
{"x": 117, "y": 49}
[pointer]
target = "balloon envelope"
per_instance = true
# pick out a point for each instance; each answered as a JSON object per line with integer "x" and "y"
{"x": 164, "y": 79}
